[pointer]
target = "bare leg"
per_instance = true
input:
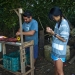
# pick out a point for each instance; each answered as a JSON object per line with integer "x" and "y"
{"x": 56, "y": 73}
{"x": 59, "y": 67}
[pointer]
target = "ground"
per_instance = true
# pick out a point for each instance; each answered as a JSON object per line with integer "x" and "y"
{"x": 43, "y": 67}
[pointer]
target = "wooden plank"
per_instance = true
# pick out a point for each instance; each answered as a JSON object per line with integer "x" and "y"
{"x": 22, "y": 59}
{"x": 29, "y": 43}
{"x": 20, "y": 22}
{"x": 25, "y": 44}
{"x": 32, "y": 59}
{"x": 4, "y": 48}
{"x": 31, "y": 70}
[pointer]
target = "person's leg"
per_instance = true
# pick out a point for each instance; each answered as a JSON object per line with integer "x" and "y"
{"x": 59, "y": 67}
{"x": 54, "y": 58}
{"x": 35, "y": 53}
{"x": 35, "y": 49}
{"x": 56, "y": 73}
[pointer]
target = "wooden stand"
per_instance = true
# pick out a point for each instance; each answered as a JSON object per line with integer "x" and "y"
{"x": 22, "y": 47}
{"x": 22, "y": 56}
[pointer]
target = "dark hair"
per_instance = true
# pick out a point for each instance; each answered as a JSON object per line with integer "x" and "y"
{"x": 55, "y": 11}
{"x": 27, "y": 14}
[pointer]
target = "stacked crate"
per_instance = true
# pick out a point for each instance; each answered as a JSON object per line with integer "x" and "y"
{"x": 12, "y": 61}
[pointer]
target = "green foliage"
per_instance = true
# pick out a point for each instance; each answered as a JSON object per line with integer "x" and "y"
{"x": 9, "y": 20}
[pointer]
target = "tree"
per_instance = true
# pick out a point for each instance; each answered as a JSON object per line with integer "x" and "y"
{"x": 9, "y": 20}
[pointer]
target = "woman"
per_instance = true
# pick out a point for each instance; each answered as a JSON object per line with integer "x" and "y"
{"x": 60, "y": 39}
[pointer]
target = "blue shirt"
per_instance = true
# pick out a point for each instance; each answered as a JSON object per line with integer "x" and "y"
{"x": 59, "y": 47}
{"x": 33, "y": 25}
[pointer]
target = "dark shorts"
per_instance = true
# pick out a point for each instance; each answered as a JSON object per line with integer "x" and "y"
{"x": 35, "y": 47}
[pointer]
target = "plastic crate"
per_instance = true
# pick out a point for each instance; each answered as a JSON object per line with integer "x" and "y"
{"x": 5, "y": 61}
{"x": 11, "y": 61}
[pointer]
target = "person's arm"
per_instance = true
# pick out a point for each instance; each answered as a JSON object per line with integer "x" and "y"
{"x": 29, "y": 33}
{"x": 49, "y": 30}
{"x": 59, "y": 37}
{"x": 33, "y": 29}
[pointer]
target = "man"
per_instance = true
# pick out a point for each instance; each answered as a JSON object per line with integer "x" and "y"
{"x": 30, "y": 31}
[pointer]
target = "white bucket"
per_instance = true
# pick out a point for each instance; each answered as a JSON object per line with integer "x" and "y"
{"x": 68, "y": 53}
{"x": 47, "y": 52}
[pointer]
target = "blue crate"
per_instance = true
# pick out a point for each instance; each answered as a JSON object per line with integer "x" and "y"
{"x": 9, "y": 62}
{"x": 5, "y": 61}
{"x": 15, "y": 60}
{"x": 15, "y": 68}
{"x": 12, "y": 61}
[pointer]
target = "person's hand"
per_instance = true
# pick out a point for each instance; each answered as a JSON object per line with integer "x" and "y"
{"x": 18, "y": 33}
{"x": 49, "y": 30}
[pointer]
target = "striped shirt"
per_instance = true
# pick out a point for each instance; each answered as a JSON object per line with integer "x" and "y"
{"x": 59, "y": 47}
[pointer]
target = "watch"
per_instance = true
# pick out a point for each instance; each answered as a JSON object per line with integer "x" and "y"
{"x": 55, "y": 34}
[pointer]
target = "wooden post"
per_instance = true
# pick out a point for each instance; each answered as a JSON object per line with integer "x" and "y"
{"x": 32, "y": 60}
{"x": 20, "y": 22}
{"x": 4, "y": 48}
{"x": 22, "y": 59}
{"x": 22, "y": 51}
{"x": 41, "y": 43}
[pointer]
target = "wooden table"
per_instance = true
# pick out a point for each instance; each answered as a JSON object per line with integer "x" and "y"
{"x": 22, "y": 56}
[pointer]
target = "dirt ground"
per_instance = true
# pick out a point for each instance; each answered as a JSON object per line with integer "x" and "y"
{"x": 42, "y": 67}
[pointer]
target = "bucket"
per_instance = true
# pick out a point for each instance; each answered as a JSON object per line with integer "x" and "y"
{"x": 47, "y": 53}
{"x": 68, "y": 53}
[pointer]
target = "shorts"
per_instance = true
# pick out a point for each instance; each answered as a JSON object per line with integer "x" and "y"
{"x": 56, "y": 58}
{"x": 35, "y": 49}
